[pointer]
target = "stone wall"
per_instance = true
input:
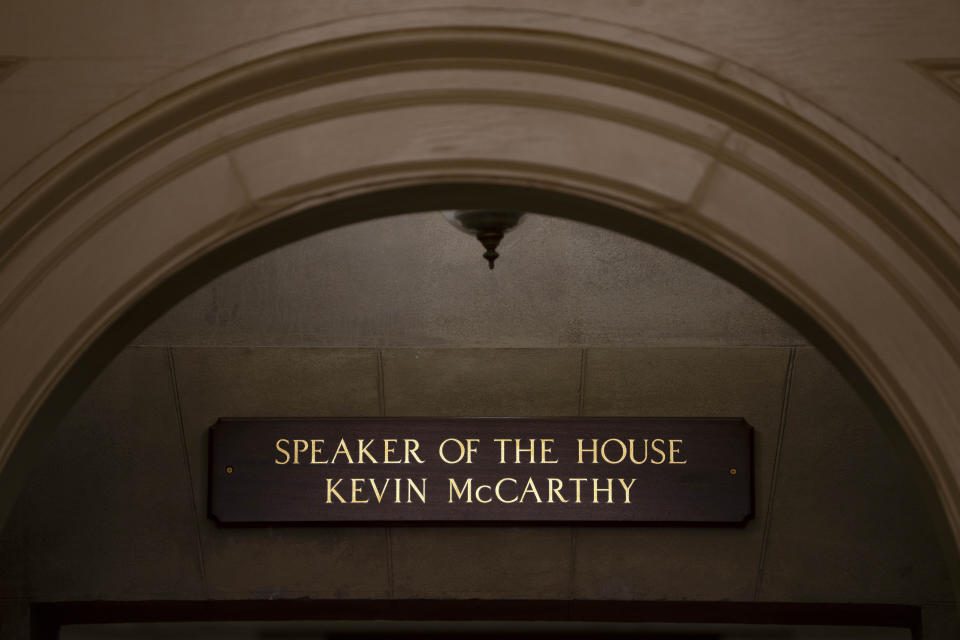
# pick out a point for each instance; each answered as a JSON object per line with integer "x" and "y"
{"x": 402, "y": 318}
{"x": 117, "y": 509}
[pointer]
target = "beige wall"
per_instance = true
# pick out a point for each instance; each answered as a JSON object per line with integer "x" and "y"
{"x": 116, "y": 509}
{"x": 785, "y": 137}
{"x": 849, "y": 58}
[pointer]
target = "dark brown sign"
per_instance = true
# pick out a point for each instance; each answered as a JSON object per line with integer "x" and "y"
{"x": 613, "y": 470}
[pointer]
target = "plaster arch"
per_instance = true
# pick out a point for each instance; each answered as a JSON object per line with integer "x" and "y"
{"x": 412, "y": 110}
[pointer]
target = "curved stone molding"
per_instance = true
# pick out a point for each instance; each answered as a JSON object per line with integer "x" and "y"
{"x": 411, "y": 110}
{"x": 944, "y": 72}
{"x": 8, "y": 66}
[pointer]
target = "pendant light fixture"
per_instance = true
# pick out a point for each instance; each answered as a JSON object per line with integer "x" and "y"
{"x": 486, "y": 225}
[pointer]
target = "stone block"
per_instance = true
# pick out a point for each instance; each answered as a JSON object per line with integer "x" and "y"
{"x": 15, "y": 623}
{"x": 481, "y": 382}
{"x": 682, "y": 563}
{"x": 940, "y": 622}
{"x": 295, "y": 562}
{"x": 13, "y": 556}
{"x": 270, "y": 382}
{"x": 323, "y": 562}
{"x": 283, "y": 160}
{"x": 108, "y": 510}
{"x": 481, "y": 562}
{"x": 847, "y": 524}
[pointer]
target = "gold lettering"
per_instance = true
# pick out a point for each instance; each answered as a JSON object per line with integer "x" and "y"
{"x": 342, "y": 449}
{"x": 410, "y": 447}
{"x": 497, "y": 490}
{"x": 299, "y": 446}
{"x": 463, "y": 451}
{"x": 626, "y": 488}
{"x": 503, "y": 454}
{"x": 531, "y": 487}
{"x": 675, "y": 451}
{"x": 518, "y": 450}
{"x": 355, "y": 491}
{"x": 314, "y": 450}
{"x": 581, "y": 451}
{"x": 633, "y": 458}
{"x": 332, "y": 491}
{"x": 362, "y": 451}
{"x": 390, "y": 448}
{"x": 471, "y": 449}
{"x": 577, "y": 481}
{"x": 479, "y": 498}
{"x": 623, "y": 451}
{"x": 379, "y": 493}
{"x": 597, "y": 490}
{"x": 421, "y": 491}
{"x": 529, "y": 452}
{"x": 544, "y": 450}
{"x": 554, "y": 485}
{"x": 467, "y": 489}
{"x": 663, "y": 455}
{"x": 283, "y": 451}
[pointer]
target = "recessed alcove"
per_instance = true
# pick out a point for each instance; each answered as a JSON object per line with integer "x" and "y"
{"x": 402, "y": 317}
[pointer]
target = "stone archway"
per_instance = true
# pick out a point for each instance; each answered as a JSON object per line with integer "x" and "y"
{"x": 411, "y": 110}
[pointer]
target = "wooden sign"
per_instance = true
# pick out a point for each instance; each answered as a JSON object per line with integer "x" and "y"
{"x": 584, "y": 470}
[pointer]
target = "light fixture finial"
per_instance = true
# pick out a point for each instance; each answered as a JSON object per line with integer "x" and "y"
{"x": 486, "y": 225}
